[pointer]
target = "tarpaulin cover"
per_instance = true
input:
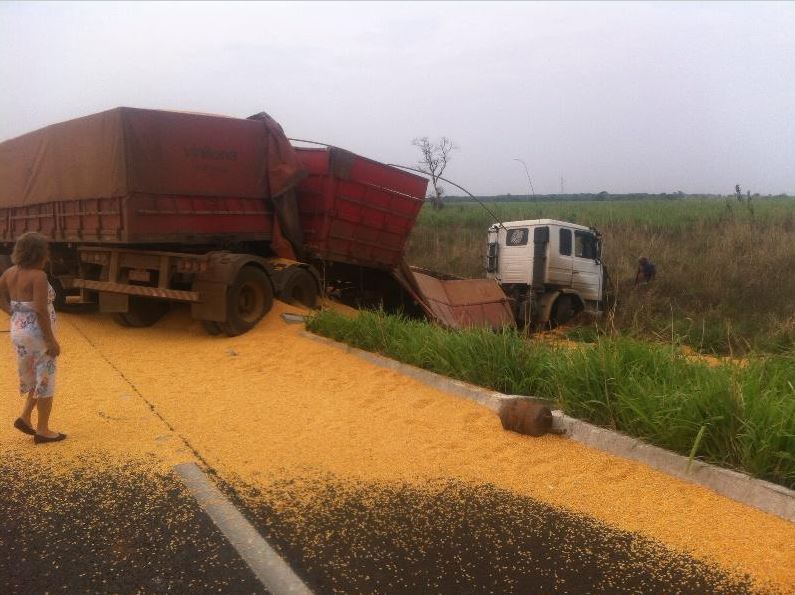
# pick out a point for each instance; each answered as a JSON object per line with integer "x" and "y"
{"x": 127, "y": 150}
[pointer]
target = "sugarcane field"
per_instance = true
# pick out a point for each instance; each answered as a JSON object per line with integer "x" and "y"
{"x": 491, "y": 298}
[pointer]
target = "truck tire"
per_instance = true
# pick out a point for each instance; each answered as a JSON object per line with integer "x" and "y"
{"x": 299, "y": 287}
{"x": 119, "y": 319}
{"x": 60, "y": 303}
{"x": 248, "y": 299}
{"x": 142, "y": 312}
{"x": 564, "y": 310}
{"x": 211, "y": 327}
{"x": 60, "y": 293}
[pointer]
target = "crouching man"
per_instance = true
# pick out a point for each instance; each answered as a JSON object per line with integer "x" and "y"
{"x": 646, "y": 271}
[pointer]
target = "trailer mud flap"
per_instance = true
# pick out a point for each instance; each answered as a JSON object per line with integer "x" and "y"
{"x": 458, "y": 303}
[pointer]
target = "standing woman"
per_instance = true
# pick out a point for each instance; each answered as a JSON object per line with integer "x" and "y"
{"x": 26, "y": 295}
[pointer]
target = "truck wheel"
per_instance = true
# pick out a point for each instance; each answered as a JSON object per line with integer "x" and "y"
{"x": 142, "y": 312}
{"x": 60, "y": 303}
{"x": 211, "y": 327}
{"x": 119, "y": 319}
{"x": 563, "y": 310}
{"x": 60, "y": 294}
{"x": 299, "y": 287}
{"x": 248, "y": 299}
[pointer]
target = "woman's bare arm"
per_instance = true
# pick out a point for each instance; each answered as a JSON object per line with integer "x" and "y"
{"x": 5, "y": 300}
{"x": 40, "y": 303}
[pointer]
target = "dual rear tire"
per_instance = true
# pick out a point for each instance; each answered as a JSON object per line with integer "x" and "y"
{"x": 248, "y": 299}
{"x": 5, "y": 263}
{"x": 251, "y": 297}
{"x": 565, "y": 308}
{"x": 299, "y": 287}
{"x": 142, "y": 312}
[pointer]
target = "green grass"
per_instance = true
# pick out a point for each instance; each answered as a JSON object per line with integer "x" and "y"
{"x": 737, "y": 417}
{"x": 726, "y": 276}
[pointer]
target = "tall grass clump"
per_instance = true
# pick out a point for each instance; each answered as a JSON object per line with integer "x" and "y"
{"x": 741, "y": 417}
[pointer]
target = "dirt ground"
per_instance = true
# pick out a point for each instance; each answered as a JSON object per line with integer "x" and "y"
{"x": 366, "y": 480}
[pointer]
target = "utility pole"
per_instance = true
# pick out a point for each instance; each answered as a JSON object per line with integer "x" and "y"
{"x": 562, "y": 188}
{"x": 529, "y": 181}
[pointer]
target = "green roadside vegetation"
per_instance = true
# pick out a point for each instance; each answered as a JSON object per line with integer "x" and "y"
{"x": 738, "y": 416}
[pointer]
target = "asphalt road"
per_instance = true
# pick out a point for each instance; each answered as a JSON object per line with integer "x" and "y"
{"x": 124, "y": 530}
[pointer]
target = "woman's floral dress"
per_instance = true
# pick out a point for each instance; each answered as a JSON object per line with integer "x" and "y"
{"x": 36, "y": 368}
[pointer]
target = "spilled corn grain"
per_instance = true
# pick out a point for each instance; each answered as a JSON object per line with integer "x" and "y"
{"x": 270, "y": 407}
{"x": 449, "y": 537}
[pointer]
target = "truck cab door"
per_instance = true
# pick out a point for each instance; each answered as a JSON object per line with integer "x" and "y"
{"x": 587, "y": 266}
{"x": 515, "y": 256}
{"x": 560, "y": 257}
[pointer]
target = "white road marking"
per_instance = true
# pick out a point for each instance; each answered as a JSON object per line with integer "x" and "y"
{"x": 267, "y": 565}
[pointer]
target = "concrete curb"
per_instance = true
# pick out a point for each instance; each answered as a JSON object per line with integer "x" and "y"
{"x": 269, "y": 568}
{"x": 765, "y": 496}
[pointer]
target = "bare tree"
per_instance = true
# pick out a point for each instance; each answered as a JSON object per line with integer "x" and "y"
{"x": 434, "y": 160}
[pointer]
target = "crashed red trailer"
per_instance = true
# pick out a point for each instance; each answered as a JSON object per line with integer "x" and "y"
{"x": 137, "y": 176}
{"x": 145, "y": 207}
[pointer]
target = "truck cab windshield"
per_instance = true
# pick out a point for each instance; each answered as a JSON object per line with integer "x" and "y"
{"x": 586, "y": 245}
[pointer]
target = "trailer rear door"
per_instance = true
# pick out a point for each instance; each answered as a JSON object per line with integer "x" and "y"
{"x": 458, "y": 303}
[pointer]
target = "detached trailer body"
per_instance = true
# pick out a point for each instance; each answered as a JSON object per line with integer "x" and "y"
{"x": 550, "y": 269}
{"x": 147, "y": 207}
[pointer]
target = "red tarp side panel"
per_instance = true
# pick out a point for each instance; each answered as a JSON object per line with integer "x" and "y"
{"x": 193, "y": 219}
{"x": 195, "y": 155}
{"x": 73, "y": 160}
{"x": 125, "y": 151}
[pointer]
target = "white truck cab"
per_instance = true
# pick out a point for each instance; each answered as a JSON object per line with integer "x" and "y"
{"x": 550, "y": 269}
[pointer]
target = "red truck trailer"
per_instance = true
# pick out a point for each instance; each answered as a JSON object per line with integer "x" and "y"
{"x": 147, "y": 207}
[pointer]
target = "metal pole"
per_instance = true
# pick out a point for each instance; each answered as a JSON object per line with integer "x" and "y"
{"x": 527, "y": 173}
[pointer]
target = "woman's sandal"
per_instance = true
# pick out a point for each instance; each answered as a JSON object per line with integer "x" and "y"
{"x": 23, "y": 427}
{"x": 42, "y": 439}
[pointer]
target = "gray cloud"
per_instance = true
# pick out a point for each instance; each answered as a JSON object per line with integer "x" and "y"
{"x": 621, "y": 97}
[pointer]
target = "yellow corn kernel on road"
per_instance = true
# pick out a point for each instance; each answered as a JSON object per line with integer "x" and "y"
{"x": 270, "y": 406}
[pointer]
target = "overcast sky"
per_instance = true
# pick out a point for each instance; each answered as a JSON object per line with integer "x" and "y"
{"x": 623, "y": 97}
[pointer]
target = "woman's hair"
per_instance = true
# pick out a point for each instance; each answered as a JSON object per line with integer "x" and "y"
{"x": 30, "y": 250}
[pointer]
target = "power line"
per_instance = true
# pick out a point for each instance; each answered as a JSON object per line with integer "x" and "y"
{"x": 527, "y": 173}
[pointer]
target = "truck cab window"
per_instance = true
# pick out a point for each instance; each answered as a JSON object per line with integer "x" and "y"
{"x": 565, "y": 242}
{"x": 585, "y": 245}
{"x": 516, "y": 237}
